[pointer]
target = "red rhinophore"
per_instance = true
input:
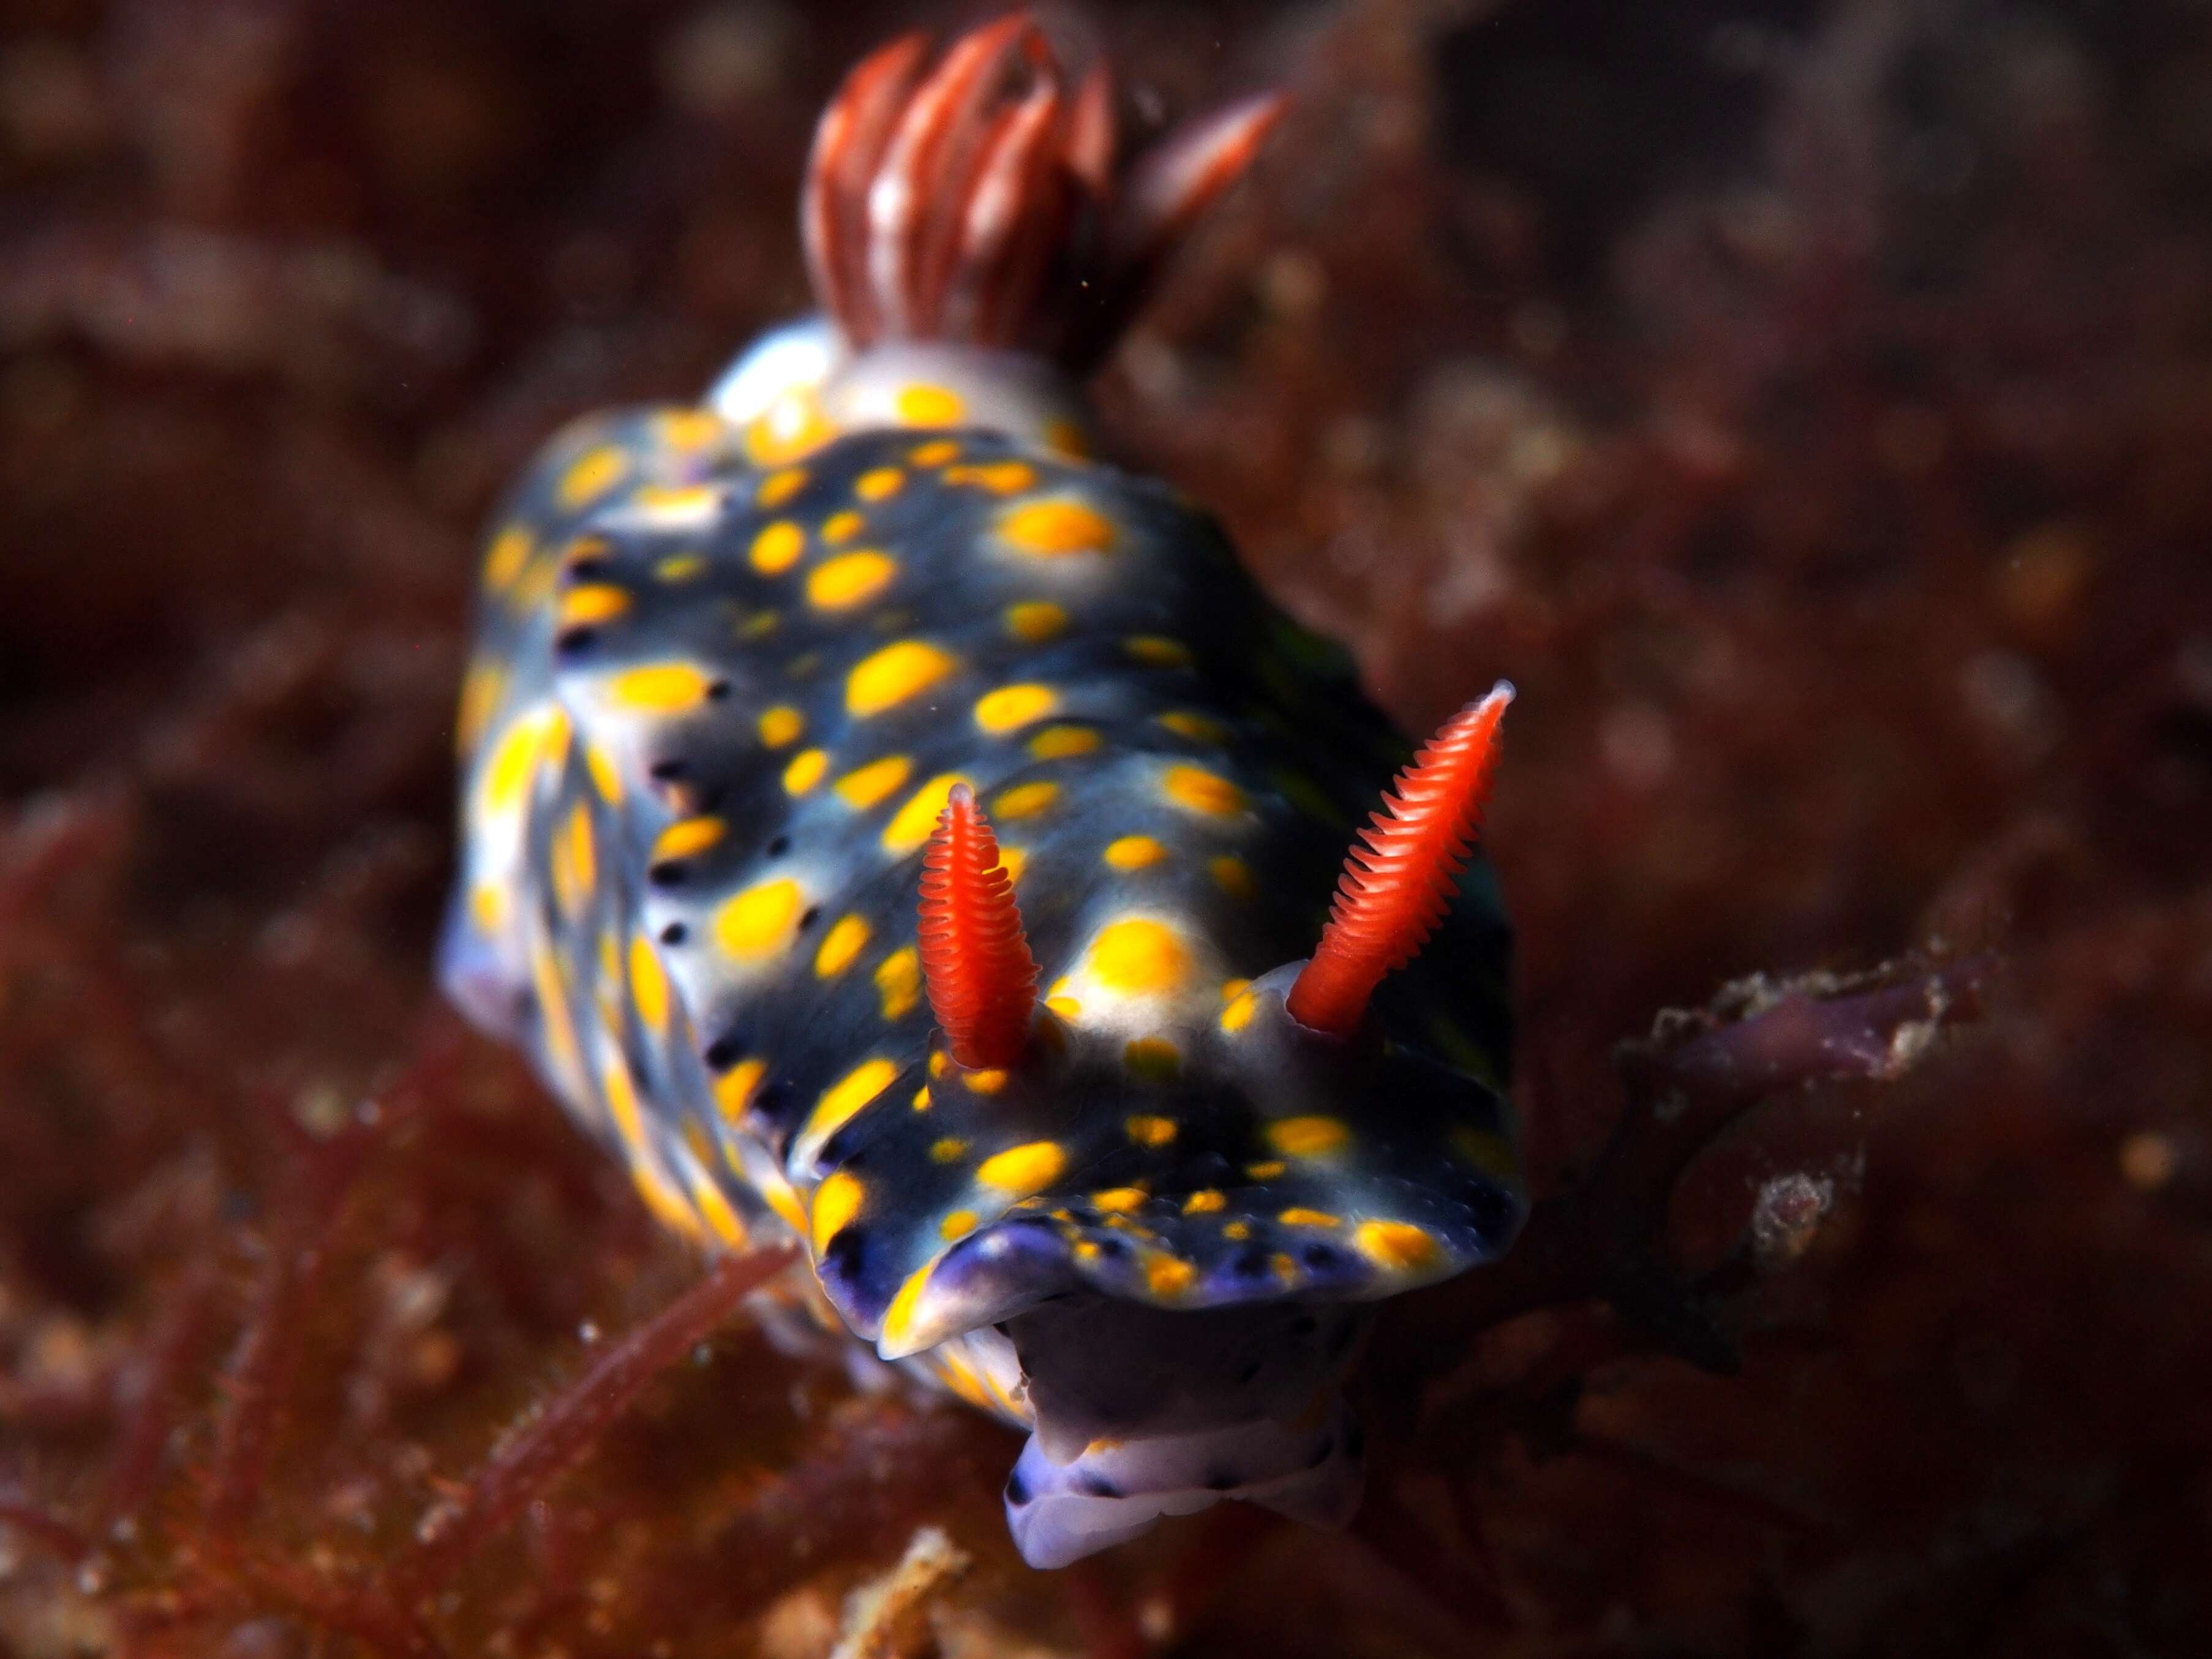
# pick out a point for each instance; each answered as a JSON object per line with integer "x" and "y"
{"x": 975, "y": 958}
{"x": 977, "y": 200}
{"x": 1398, "y": 876}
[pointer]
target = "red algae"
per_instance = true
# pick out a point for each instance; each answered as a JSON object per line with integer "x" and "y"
{"x": 1815, "y": 440}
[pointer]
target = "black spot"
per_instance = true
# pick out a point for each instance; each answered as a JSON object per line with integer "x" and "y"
{"x": 1094, "y": 1485}
{"x": 809, "y": 917}
{"x": 718, "y": 691}
{"x": 1249, "y": 1263}
{"x": 725, "y": 1051}
{"x": 774, "y": 1102}
{"x": 1110, "y": 1247}
{"x": 779, "y": 846}
{"x": 571, "y": 640}
{"x": 672, "y": 770}
{"x": 1218, "y": 1481}
{"x": 1322, "y": 1257}
{"x": 1017, "y": 1490}
{"x": 585, "y": 567}
{"x": 675, "y": 933}
{"x": 842, "y": 1255}
{"x": 669, "y": 873}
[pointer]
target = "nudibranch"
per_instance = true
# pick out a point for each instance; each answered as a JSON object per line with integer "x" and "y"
{"x": 885, "y": 825}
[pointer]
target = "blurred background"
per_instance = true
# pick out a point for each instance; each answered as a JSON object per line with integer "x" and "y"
{"x": 1807, "y": 404}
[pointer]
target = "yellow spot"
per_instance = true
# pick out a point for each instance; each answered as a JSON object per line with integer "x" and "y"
{"x": 487, "y": 906}
{"x": 781, "y": 724}
{"x": 1267, "y": 1172}
{"x": 1066, "y": 1007}
{"x": 1201, "y": 791}
{"x": 1066, "y": 437}
{"x": 1154, "y": 1058}
{"x": 941, "y": 1063}
{"x": 836, "y": 1201}
{"x": 899, "y": 1316}
{"x": 1166, "y": 1275}
{"x": 504, "y": 559}
{"x": 1238, "y": 1014}
{"x": 999, "y": 477}
{"x": 845, "y": 1097}
{"x": 910, "y": 825}
{"x": 951, "y": 1150}
{"x": 1034, "y": 621}
{"x": 1026, "y": 800}
{"x": 761, "y": 921}
{"x": 921, "y": 1098}
{"x": 1062, "y": 742}
{"x": 1157, "y": 652}
{"x": 668, "y": 688}
{"x": 648, "y": 983}
{"x": 804, "y": 771}
{"x": 1119, "y": 1199}
{"x": 840, "y": 945}
{"x": 780, "y": 1196}
{"x": 481, "y": 690}
{"x": 780, "y": 487}
{"x": 722, "y": 1220}
{"x": 1050, "y": 529}
{"x": 1148, "y": 1130}
{"x": 958, "y": 1223}
{"x": 1236, "y": 1229}
{"x": 1139, "y": 956}
{"x": 1296, "y": 1217}
{"x": 841, "y": 526}
{"x": 1205, "y": 1201}
{"x": 850, "y": 578}
{"x": 777, "y": 548}
{"x": 936, "y": 453}
{"x": 590, "y": 475}
{"x": 693, "y": 504}
{"x": 1198, "y": 728}
{"x": 922, "y": 403}
{"x": 878, "y": 482}
{"x": 686, "y": 836}
{"x": 515, "y": 759}
{"x": 689, "y": 428}
{"x": 1233, "y": 987}
{"x": 622, "y": 1104}
{"x": 605, "y": 778}
{"x": 1233, "y": 876}
{"x": 789, "y": 428}
{"x": 759, "y": 625}
{"x": 733, "y": 1091}
{"x": 863, "y": 787}
{"x": 1394, "y": 1243}
{"x": 984, "y": 1080}
{"x": 1014, "y": 860}
{"x": 898, "y": 982}
{"x": 1021, "y": 1170}
{"x": 1135, "y": 853}
{"x": 894, "y": 673}
{"x": 1011, "y": 707}
{"x": 1307, "y": 1137}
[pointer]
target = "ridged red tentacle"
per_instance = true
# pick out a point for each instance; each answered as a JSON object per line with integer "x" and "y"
{"x": 848, "y": 143}
{"x": 975, "y": 960}
{"x": 1398, "y": 876}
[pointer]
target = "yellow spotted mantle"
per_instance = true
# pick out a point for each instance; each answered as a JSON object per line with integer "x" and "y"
{"x": 715, "y": 708}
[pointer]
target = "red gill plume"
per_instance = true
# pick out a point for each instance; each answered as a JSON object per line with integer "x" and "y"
{"x": 975, "y": 960}
{"x": 1398, "y": 876}
{"x": 976, "y": 200}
